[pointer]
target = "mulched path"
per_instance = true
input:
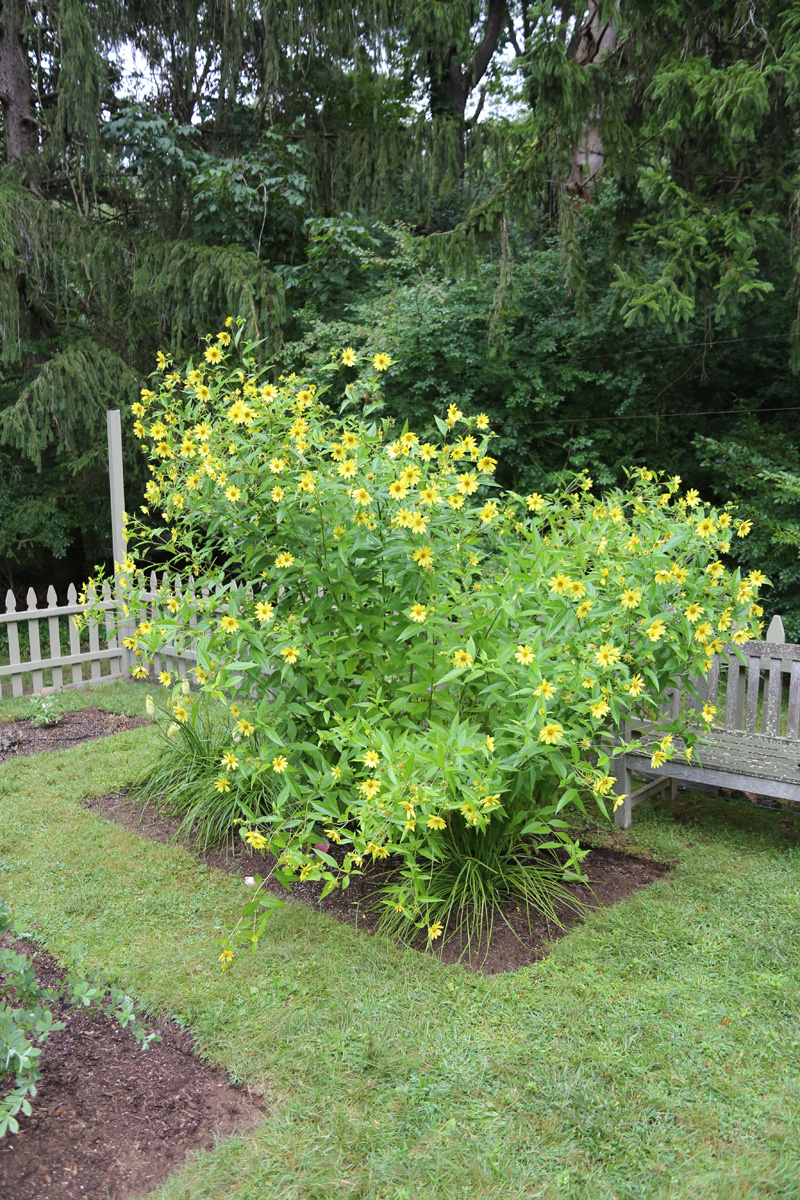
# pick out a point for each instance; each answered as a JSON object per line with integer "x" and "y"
{"x": 20, "y": 738}
{"x": 111, "y": 1120}
{"x": 514, "y": 942}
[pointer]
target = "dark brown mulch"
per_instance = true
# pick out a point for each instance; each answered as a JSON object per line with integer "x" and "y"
{"x": 112, "y": 1120}
{"x": 517, "y": 940}
{"x": 22, "y": 738}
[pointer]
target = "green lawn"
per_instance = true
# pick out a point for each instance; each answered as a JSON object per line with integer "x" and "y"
{"x": 654, "y": 1053}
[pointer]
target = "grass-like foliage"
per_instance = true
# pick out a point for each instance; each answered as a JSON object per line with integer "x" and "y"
{"x": 476, "y": 873}
{"x": 26, "y": 1020}
{"x": 184, "y": 777}
{"x": 424, "y": 652}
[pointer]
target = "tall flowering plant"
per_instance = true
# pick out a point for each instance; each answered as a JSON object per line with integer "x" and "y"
{"x": 426, "y": 661}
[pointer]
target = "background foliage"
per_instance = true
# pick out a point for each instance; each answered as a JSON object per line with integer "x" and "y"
{"x": 577, "y": 217}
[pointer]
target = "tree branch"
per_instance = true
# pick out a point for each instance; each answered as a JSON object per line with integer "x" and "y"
{"x": 491, "y": 36}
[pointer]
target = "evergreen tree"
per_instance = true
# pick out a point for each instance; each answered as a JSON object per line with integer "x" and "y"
{"x": 275, "y": 139}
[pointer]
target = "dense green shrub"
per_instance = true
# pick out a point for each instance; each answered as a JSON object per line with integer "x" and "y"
{"x": 428, "y": 657}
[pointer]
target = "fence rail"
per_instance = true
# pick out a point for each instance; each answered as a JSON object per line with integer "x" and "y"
{"x": 76, "y": 659}
{"x": 50, "y": 642}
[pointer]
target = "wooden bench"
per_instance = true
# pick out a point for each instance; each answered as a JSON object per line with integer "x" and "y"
{"x": 754, "y": 745}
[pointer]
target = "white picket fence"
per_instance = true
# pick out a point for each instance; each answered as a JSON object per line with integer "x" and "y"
{"x": 45, "y": 662}
{"x": 25, "y": 671}
{"x": 104, "y": 658}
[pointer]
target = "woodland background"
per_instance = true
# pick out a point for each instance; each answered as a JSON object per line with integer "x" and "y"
{"x": 577, "y": 218}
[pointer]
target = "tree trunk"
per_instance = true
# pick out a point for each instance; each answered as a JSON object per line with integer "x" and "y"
{"x": 451, "y": 82}
{"x": 16, "y": 93}
{"x": 591, "y": 42}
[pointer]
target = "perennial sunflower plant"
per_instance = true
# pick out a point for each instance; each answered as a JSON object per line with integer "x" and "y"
{"x": 433, "y": 668}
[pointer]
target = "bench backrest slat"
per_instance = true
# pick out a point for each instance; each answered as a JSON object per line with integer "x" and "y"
{"x": 734, "y": 697}
{"x": 771, "y": 724}
{"x": 753, "y": 682}
{"x": 787, "y": 652}
{"x": 793, "y": 718}
{"x": 713, "y": 681}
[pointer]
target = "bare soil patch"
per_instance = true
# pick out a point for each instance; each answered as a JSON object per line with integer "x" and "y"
{"x": 516, "y": 940}
{"x": 113, "y": 1120}
{"x": 20, "y": 738}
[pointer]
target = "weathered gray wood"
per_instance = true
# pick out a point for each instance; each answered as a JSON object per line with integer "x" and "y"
{"x": 737, "y": 756}
{"x": 742, "y": 780}
{"x": 771, "y": 724}
{"x": 54, "y": 638}
{"x": 118, "y": 665}
{"x": 74, "y": 640}
{"x": 181, "y": 665}
{"x": 13, "y": 646}
{"x": 67, "y": 660}
{"x": 62, "y": 610}
{"x": 116, "y": 485}
{"x": 37, "y": 677}
{"x": 69, "y": 687}
{"x": 787, "y": 652}
{"x": 94, "y": 646}
{"x": 157, "y": 665}
{"x": 753, "y": 687}
{"x": 713, "y": 680}
{"x": 169, "y": 651}
{"x": 793, "y": 717}
{"x": 649, "y": 789}
{"x": 622, "y": 787}
{"x": 775, "y": 632}
{"x": 734, "y": 695}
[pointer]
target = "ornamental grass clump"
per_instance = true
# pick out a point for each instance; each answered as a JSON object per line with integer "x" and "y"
{"x": 198, "y": 734}
{"x": 432, "y": 664}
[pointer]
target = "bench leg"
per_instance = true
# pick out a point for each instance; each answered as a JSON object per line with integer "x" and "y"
{"x": 624, "y": 813}
{"x": 673, "y": 789}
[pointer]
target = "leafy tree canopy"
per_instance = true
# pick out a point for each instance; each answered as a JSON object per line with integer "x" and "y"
{"x": 618, "y": 177}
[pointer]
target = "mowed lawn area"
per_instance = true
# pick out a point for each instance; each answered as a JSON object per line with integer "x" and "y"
{"x": 654, "y": 1053}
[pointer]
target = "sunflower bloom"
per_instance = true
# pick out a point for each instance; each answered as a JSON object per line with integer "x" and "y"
{"x": 607, "y": 655}
{"x": 636, "y": 686}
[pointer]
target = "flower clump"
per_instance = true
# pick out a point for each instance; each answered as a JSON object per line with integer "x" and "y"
{"x": 419, "y": 650}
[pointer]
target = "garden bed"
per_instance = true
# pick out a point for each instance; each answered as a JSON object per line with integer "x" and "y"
{"x": 20, "y": 738}
{"x": 111, "y": 1119}
{"x": 515, "y": 941}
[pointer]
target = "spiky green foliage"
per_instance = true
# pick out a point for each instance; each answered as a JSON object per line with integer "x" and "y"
{"x": 181, "y": 778}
